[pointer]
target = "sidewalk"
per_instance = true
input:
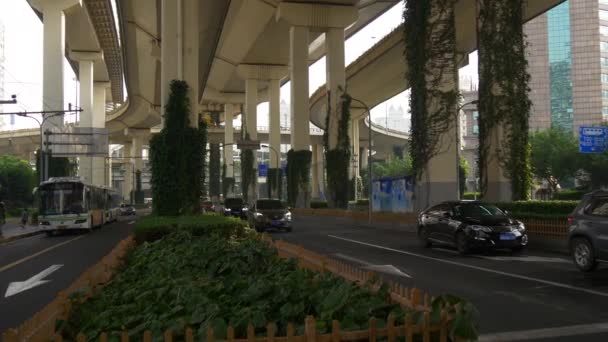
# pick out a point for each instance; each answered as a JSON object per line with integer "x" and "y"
{"x": 12, "y": 231}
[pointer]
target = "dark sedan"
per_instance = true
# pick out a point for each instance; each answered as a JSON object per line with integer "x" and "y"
{"x": 268, "y": 213}
{"x": 468, "y": 225}
{"x": 235, "y": 207}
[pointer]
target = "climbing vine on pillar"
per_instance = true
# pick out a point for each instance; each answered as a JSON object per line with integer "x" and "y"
{"x": 298, "y": 177}
{"x": 202, "y": 130}
{"x": 275, "y": 182}
{"x": 337, "y": 160}
{"x": 430, "y": 54}
{"x": 176, "y": 158}
{"x": 504, "y": 104}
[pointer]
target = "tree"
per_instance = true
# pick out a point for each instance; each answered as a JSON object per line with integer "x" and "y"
{"x": 463, "y": 173}
{"x": 394, "y": 168}
{"x": 176, "y": 156}
{"x": 17, "y": 180}
{"x": 555, "y": 156}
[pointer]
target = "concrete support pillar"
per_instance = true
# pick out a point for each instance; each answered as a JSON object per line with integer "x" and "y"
{"x": 92, "y": 173}
{"x": 317, "y": 172}
{"x": 251, "y": 108}
{"x": 274, "y": 95}
{"x": 439, "y": 179}
{"x": 298, "y": 72}
{"x": 53, "y": 52}
{"x": 229, "y": 140}
{"x": 336, "y": 79}
{"x": 364, "y": 157}
{"x": 168, "y": 50}
{"x": 190, "y": 53}
{"x": 127, "y": 184}
{"x": 498, "y": 187}
{"x": 355, "y": 150}
{"x": 179, "y": 50}
{"x": 98, "y": 163}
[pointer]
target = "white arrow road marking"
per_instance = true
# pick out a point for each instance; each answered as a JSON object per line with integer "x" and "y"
{"x": 20, "y": 286}
{"x": 388, "y": 269}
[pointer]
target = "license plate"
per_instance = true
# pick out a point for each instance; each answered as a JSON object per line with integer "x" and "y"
{"x": 61, "y": 227}
{"x": 507, "y": 236}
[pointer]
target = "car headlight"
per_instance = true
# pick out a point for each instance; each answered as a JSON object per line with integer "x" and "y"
{"x": 288, "y": 216}
{"x": 245, "y": 209}
{"x": 520, "y": 226}
{"x": 258, "y": 215}
{"x": 481, "y": 229}
{"x": 227, "y": 210}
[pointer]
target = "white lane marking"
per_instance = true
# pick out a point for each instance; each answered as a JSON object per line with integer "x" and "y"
{"x": 452, "y": 251}
{"x": 388, "y": 269}
{"x": 529, "y": 258}
{"x": 20, "y": 286}
{"x": 523, "y": 335}
{"x": 131, "y": 222}
{"x": 512, "y": 275}
{"x": 20, "y": 261}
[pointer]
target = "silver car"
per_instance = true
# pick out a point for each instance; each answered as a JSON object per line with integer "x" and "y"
{"x": 588, "y": 237}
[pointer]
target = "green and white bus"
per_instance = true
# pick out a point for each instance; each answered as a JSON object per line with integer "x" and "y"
{"x": 67, "y": 203}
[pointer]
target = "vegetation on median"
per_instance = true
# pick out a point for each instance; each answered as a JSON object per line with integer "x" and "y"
{"x": 192, "y": 275}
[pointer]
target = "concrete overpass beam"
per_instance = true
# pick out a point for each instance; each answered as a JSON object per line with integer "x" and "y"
{"x": 53, "y": 52}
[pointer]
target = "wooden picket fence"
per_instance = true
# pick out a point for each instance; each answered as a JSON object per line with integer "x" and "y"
{"x": 41, "y": 326}
{"x": 550, "y": 228}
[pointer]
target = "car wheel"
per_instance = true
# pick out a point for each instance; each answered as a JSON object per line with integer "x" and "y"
{"x": 461, "y": 243}
{"x": 583, "y": 254}
{"x": 423, "y": 235}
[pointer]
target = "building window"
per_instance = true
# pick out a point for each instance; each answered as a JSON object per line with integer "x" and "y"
{"x": 604, "y": 46}
{"x": 603, "y": 15}
{"x": 604, "y": 30}
{"x": 475, "y": 123}
{"x": 560, "y": 66}
{"x": 603, "y": 2}
{"x": 604, "y": 78}
{"x": 604, "y": 62}
{"x": 605, "y": 94}
{"x": 605, "y": 110}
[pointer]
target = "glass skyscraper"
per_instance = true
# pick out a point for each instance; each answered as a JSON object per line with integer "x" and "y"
{"x": 568, "y": 65}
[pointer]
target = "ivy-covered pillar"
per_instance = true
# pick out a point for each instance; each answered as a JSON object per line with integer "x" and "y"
{"x": 274, "y": 171}
{"x": 433, "y": 76}
{"x": 504, "y": 105}
{"x": 228, "y": 166}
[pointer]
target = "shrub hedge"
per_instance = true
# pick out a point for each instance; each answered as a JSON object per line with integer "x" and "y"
{"x": 152, "y": 228}
{"x": 318, "y": 204}
{"x": 471, "y": 195}
{"x": 539, "y": 209}
{"x": 569, "y": 195}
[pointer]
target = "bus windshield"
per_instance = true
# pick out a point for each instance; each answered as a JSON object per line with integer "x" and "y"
{"x": 61, "y": 198}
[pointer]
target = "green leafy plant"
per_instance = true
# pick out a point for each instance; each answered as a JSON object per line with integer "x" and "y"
{"x": 275, "y": 182}
{"x": 152, "y": 228}
{"x": 298, "y": 177}
{"x": 214, "y": 170}
{"x": 17, "y": 180}
{"x": 202, "y": 131}
{"x": 176, "y": 156}
{"x": 337, "y": 158}
{"x": 430, "y": 54}
{"x": 539, "y": 209}
{"x": 318, "y": 204}
{"x": 247, "y": 172}
{"x": 504, "y": 104}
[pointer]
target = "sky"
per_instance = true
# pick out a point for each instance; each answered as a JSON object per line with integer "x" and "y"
{"x": 23, "y": 65}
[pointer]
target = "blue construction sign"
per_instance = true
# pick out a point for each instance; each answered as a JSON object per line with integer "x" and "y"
{"x": 593, "y": 139}
{"x": 263, "y": 170}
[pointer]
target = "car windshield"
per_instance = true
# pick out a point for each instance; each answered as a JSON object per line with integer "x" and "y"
{"x": 269, "y": 204}
{"x": 234, "y": 202}
{"x": 477, "y": 210}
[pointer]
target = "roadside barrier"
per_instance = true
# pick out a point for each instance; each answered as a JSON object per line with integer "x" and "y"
{"x": 41, "y": 327}
{"x": 551, "y": 228}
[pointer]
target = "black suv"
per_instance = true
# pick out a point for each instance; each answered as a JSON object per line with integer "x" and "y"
{"x": 235, "y": 207}
{"x": 588, "y": 237}
{"x": 470, "y": 224}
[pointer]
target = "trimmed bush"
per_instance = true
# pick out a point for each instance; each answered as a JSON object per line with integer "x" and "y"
{"x": 152, "y": 228}
{"x": 539, "y": 209}
{"x": 318, "y": 205}
{"x": 471, "y": 195}
{"x": 569, "y": 195}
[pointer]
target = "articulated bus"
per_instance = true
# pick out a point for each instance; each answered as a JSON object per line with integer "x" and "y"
{"x": 67, "y": 203}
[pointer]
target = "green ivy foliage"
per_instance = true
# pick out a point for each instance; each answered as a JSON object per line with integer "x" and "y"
{"x": 176, "y": 156}
{"x": 338, "y": 158}
{"x": 227, "y": 182}
{"x": 430, "y": 53}
{"x": 202, "y": 129}
{"x": 298, "y": 175}
{"x": 214, "y": 170}
{"x": 275, "y": 181}
{"x": 503, "y": 94}
{"x": 138, "y": 193}
{"x": 247, "y": 172}
{"x": 17, "y": 180}
{"x": 58, "y": 166}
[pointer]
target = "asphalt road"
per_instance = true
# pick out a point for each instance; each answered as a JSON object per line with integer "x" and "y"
{"x": 22, "y": 259}
{"x": 531, "y": 296}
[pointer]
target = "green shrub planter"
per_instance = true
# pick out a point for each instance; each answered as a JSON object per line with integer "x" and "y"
{"x": 298, "y": 177}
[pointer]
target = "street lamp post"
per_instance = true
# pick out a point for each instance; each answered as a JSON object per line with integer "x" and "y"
{"x": 369, "y": 158}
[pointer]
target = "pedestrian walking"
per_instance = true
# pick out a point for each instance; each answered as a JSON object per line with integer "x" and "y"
{"x": 2, "y": 216}
{"x": 25, "y": 215}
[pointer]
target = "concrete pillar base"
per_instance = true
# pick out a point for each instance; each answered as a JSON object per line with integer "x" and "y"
{"x": 431, "y": 193}
{"x": 498, "y": 192}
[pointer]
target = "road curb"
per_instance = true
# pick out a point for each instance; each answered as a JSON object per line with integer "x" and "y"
{"x": 4, "y": 241}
